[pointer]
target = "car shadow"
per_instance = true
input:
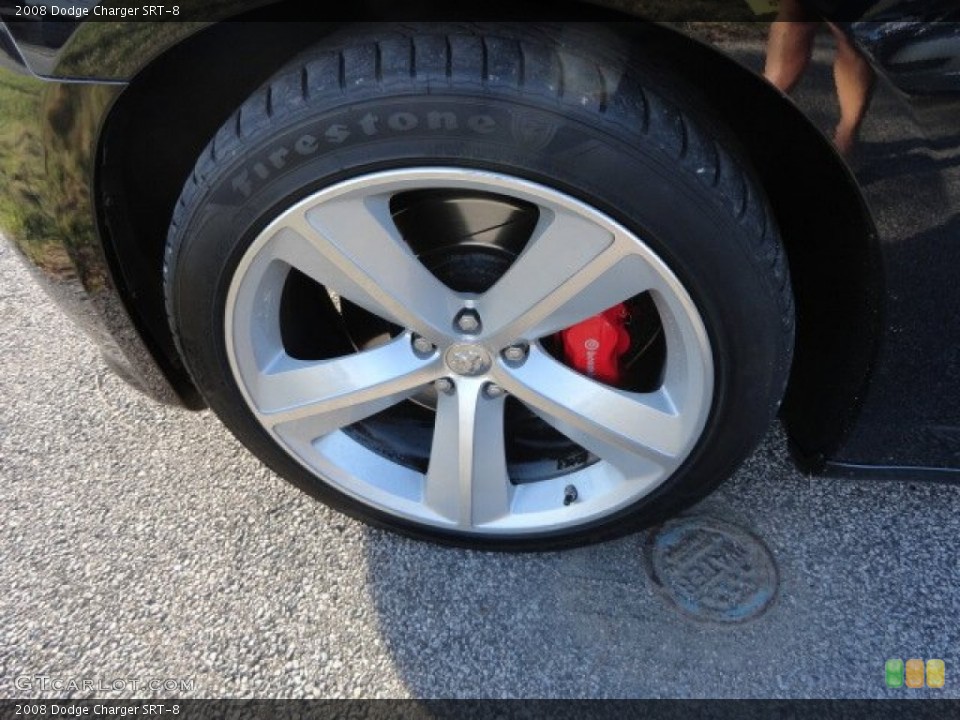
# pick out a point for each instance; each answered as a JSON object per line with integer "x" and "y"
{"x": 858, "y": 584}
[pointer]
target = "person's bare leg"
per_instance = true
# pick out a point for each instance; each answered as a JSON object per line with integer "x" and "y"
{"x": 789, "y": 45}
{"x": 854, "y": 78}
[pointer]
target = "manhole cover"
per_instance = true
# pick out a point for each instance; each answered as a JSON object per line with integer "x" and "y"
{"x": 711, "y": 570}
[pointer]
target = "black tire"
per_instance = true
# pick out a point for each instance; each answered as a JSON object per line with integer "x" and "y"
{"x": 565, "y": 117}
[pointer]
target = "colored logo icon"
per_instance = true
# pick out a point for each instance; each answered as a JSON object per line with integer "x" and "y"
{"x": 896, "y": 673}
{"x": 936, "y": 673}
{"x": 914, "y": 674}
{"x": 893, "y": 673}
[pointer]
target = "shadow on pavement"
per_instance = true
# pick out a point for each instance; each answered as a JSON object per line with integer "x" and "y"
{"x": 867, "y": 572}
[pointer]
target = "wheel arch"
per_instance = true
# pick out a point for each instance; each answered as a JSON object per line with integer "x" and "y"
{"x": 180, "y": 99}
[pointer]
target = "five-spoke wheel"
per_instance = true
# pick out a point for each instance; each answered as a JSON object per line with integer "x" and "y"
{"x": 475, "y": 349}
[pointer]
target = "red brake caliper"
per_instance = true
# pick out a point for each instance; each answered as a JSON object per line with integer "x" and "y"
{"x": 596, "y": 345}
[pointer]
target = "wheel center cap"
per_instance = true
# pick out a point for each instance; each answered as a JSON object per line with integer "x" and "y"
{"x": 467, "y": 359}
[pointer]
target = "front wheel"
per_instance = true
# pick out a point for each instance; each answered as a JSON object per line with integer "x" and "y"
{"x": 474, "y": 287}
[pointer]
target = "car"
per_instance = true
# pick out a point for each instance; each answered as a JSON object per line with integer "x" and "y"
{"x": 506, "y": 284}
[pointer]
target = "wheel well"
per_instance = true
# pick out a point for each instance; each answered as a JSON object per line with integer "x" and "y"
{"x": 170, "y": 110}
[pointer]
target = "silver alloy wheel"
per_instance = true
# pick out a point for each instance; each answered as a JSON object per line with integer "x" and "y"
{"x": 577, "y": 263}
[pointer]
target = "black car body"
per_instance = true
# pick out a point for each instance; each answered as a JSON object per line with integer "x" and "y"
{"x": 102, "y": 122}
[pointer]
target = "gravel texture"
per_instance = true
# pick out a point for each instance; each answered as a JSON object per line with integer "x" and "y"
{"x": 143, "y": 542}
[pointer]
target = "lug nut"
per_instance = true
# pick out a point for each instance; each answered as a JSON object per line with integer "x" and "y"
{"x": 422, "y": 345}
{"x": 443, "y": 385}
{"x": 468, "y": 321}
{"x": 493, "y": 390}
{"x": 515, "y": 354}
